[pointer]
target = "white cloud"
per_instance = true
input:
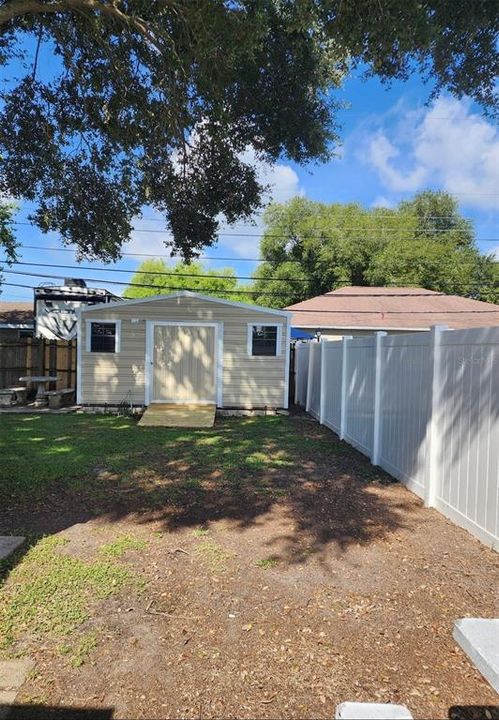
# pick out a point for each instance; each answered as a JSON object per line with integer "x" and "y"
{"x": 447, "y": 146}
{"x": 283, "y": 184}
{"x": 149, "y": 235}
{"x": 380, "y": 201}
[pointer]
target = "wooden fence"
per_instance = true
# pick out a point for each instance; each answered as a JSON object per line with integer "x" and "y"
{"x": 423, "y": 406}
{"x": 37, "y": 356}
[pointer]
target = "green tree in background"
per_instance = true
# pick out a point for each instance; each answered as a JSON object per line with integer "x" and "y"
{"x": 310, "y": 248}
{"x": 166, "y": 279}
{"x": 7, "y": 238}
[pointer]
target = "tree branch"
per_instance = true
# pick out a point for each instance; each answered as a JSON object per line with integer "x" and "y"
{"x": 18, "y": 8}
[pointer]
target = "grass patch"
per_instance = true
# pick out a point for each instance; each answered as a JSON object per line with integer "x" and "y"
{"x": 200, "y": 532}
{"x": 267, "y": 563}
{"x": 83, "y": 649}
{"x": 49, "y": 593}
{"x": 118, "y": 547}
{"x": 214, "y": 555}
{"x": 99, "y": 455}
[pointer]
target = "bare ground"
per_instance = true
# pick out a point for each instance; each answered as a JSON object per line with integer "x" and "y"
{"x": 284, "y": 606}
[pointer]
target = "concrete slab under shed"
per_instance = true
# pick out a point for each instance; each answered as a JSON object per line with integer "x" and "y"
{"x": 9, "y": 543}
{"x": 171, "y": 415}
{"x": 479, "y": 638}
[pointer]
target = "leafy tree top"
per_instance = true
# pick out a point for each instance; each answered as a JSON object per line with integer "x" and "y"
{"x": 310, "y": 248}
{"x": 153, "y": 102}
{"x": 163, "y": 279}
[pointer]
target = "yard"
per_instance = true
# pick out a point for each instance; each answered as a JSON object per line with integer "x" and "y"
{"x": 259, "y": 569}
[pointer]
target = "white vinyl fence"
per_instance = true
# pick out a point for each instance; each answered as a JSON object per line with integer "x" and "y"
{"x": 424, "y": 406}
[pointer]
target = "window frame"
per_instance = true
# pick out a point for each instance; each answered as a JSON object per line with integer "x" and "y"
{"x": 88, "y": 335}
{"x": 278, "y": 349}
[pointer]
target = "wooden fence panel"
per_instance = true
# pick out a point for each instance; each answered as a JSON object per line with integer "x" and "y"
{"x": 37, "y": 356}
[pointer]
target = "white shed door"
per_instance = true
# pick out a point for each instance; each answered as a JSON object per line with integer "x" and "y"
{"x": 183, "y": 364}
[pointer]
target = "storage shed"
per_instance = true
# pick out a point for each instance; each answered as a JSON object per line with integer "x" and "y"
{"x": 183, "y": 348}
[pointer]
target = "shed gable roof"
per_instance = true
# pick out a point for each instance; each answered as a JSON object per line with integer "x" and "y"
{"x": 189, "y": 294}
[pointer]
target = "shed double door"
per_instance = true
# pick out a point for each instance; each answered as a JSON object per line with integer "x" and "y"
{"x": 183, "y": 364}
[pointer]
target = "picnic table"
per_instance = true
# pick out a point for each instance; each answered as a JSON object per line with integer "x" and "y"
{"x": 40, "y": 382}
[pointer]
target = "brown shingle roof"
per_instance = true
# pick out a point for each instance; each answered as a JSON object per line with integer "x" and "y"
{"x": 390, "y": 308}
{"x": 16, "y": 313}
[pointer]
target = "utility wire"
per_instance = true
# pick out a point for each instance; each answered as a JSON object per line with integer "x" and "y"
{"x": 193, "y": 275}
{"x": 160, "y": 256}
{"x": 162, "y": 273}
{"x": 171, "y": 287}
{"x": 343, "y": 312}
{"x": 319, "y": 235}
{"x": 140, "y": 285}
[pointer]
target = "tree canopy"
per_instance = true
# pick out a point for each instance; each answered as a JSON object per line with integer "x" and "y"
{"x": 310, "y": 248}
{"x": 153, "y": 102}
{"x": 165, "y": 279}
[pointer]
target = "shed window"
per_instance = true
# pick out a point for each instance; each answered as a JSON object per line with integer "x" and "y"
{"x": 264, "y": 339}
{"x": 103, "y": 337}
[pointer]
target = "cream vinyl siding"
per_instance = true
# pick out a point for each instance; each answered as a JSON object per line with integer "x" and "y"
{"x": 247, "y": 382}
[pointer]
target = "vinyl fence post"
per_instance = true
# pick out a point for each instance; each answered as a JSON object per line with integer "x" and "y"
{"x": 378, "y": 367}
{"x": 433, "y": 472}
{"x": 322, "y": 407}
{"x": 343, "y": 409}
{"x": 309, "y": 375}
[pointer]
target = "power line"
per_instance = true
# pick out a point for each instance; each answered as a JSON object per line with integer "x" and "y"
{"x": 159, "y": 272}
{"x": 319, "y": 235}
{"x": 140, "y": 285}
{"x": 169, "y": 287}
{"x": 194, "y": 275}
{"x": 160, "y": 256}
{"x": 343, "y": 312}
{"x": 29, "y": 287}
{"x": 395, "y": 214}
{"x": 152, "y": 255}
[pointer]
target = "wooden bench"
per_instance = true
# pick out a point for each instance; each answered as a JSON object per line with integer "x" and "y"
{"x": 13, "y": 396}
{"x": 59, "y": 398}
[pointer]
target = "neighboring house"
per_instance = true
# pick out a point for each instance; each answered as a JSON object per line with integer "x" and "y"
{"x": 16, "y": 320}
{"x": 183, "y": 348}
{"x": 364, "y": 310}
{"x": 55, "y": 307}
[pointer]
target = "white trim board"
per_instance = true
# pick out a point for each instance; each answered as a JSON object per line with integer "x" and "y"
{"x": 79, "y": 394}
{"x": 149, "y": 359}
{"x": 188, "y": 294}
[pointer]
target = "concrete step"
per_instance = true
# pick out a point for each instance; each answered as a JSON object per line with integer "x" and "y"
{"x": 479, "y": 638}
{"x": 371, "y": 711}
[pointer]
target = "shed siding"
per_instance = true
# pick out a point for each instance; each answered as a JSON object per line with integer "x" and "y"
{"x": 248, "y": 382}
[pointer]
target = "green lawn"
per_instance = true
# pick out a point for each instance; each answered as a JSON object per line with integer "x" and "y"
{"x": 77, "y": 451}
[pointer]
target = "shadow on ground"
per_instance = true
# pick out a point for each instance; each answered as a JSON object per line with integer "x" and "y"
{"x": 70, "y": 469}
{"x": 47, "y": 712}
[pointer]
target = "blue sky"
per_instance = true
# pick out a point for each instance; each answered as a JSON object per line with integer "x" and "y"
{"x": 393, "y": 145}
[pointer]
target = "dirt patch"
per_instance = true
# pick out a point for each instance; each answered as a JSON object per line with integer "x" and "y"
{"x": 274, "y": 593}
